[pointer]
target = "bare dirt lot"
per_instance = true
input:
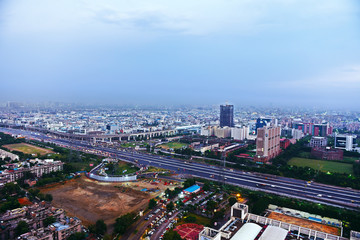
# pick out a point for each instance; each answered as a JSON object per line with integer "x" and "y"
{"x": 90, "y": 200}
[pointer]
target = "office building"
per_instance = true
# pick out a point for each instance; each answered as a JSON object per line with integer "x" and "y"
{"x": 292, "y": 133}
{"x": 219, "y": 132}
{"x": 345, "y": 141}
{"x": 297, "y": 134}
{"x": 323, "y": 129}
{"x": 240, "y": 133}
{"x": 223, "y": 132}
{"x": 227, "y": 115}
{"x": 262, "y": 122}
{"x": 318, "y": 141}
{"x": 267, "y": 143}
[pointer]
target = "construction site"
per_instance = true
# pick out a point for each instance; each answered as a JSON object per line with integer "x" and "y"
{"x": 90, "y": 200}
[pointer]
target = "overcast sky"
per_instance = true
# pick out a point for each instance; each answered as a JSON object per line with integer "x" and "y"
{"x": 280, "y": 52}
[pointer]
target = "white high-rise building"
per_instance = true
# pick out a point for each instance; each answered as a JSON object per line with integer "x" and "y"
{"x": 240, "y": 133}
{"x": 345, "y": 141}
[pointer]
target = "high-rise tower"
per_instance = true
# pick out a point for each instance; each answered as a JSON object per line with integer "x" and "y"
{"x": 226, "y": 115}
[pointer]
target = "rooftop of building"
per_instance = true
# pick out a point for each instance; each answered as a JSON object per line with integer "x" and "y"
{"x": 192, "y": 189}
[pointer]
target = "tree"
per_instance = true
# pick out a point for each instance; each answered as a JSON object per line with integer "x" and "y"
{"x": 211, "y": 205}
{"x": 124, "y": 222}
{"x": 48, "y": 197}
{"x": 189, "y": 182}
{"x": 11, "y": 203}
{"x": 152, "y": 203}
{"x": 206, "y": 186}
{"x": 21, "y": 228}
{"x": 190, "y": 219}
{"x": 100, "y": 227}
{"x": 77, "y": 236}
{"x": 170, "y": 206}
{"x": 218, "y": 215}
{"x": 260, "y": 206}
{"x": 172, "y": 235}
{"x": 232, "y": 201}
{"x": 49, "y": 220}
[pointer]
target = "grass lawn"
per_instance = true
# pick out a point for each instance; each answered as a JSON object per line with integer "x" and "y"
{"x": 199, "y": 220}
{"x": 173, "y": 145}
{"x": 155, "y": 169}
{"x": 126, "y": 145}
{"x": 120, "y": 167}
{"x": 83, "y": 166}
{"x": 27, "y": 148}
{"x": 322, "y": 165}
{"x": 350, "y": 159}
{"x": 132, "y": 145}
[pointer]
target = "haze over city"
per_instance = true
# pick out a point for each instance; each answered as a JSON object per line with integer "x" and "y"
{"x": 179, "y": 120}
{"x": 303, "y": 53}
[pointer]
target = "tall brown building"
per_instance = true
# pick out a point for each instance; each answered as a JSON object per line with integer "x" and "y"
{"x": 267, "y": 143}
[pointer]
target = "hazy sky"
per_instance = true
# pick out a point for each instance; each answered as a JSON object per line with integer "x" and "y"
{"x": 181, "y": 52}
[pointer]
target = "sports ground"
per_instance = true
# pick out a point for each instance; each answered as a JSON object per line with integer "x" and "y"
{"x": 189, "y": 231}
{"x": 27, "y": 148}
{"x": 322, "y": 165}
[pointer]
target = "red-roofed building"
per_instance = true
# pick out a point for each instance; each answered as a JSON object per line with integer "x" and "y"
{"x": 285, "y": 143}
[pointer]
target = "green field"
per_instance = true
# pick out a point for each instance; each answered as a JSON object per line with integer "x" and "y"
{"x": 119, "y": 168}
{"x": 322, "y": 165}
{"x": 27, "y": 148}
{"x": 173, "y": 145}
{"x": 132, "y": 145}
{"x": 199, "y": 220}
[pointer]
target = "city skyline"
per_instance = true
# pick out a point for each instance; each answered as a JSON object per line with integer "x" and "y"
{"x": 296, "y": 53}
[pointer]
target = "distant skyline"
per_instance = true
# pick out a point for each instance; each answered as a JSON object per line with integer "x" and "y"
{"x": 279, "y": 52}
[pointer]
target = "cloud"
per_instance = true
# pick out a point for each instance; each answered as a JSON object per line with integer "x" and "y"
{"x": 143, "y": 19}
{"x": 345, "y": 78}
{"x": 203, "y": 17}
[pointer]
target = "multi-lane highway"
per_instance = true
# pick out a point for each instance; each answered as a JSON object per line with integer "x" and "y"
{"x": 327, "y": 194}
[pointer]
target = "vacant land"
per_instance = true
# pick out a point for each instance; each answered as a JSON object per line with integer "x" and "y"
{"x": 173, "y": 145}
{"x": 322, "y": 165}
{"x": 91, "y": 200}
{"x": 304, "y": 223}
{"x": 27, "y": 148}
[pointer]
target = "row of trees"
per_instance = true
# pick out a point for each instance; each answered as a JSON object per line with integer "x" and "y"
{"x": 124, "y": 222}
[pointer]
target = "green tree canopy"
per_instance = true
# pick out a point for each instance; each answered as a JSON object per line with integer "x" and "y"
{"x": 49, "y": 220}
{"x": 170, "y": 206}
{"x": 124, "y": 222}
{"x": 232, "y": 201}
{"x": 152, "y": 203}
{"x": 21, "y": 228}
{"x": 77, "y": 236}
{"x": 172, "y": 235}
{"x": 100, "y": 227}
